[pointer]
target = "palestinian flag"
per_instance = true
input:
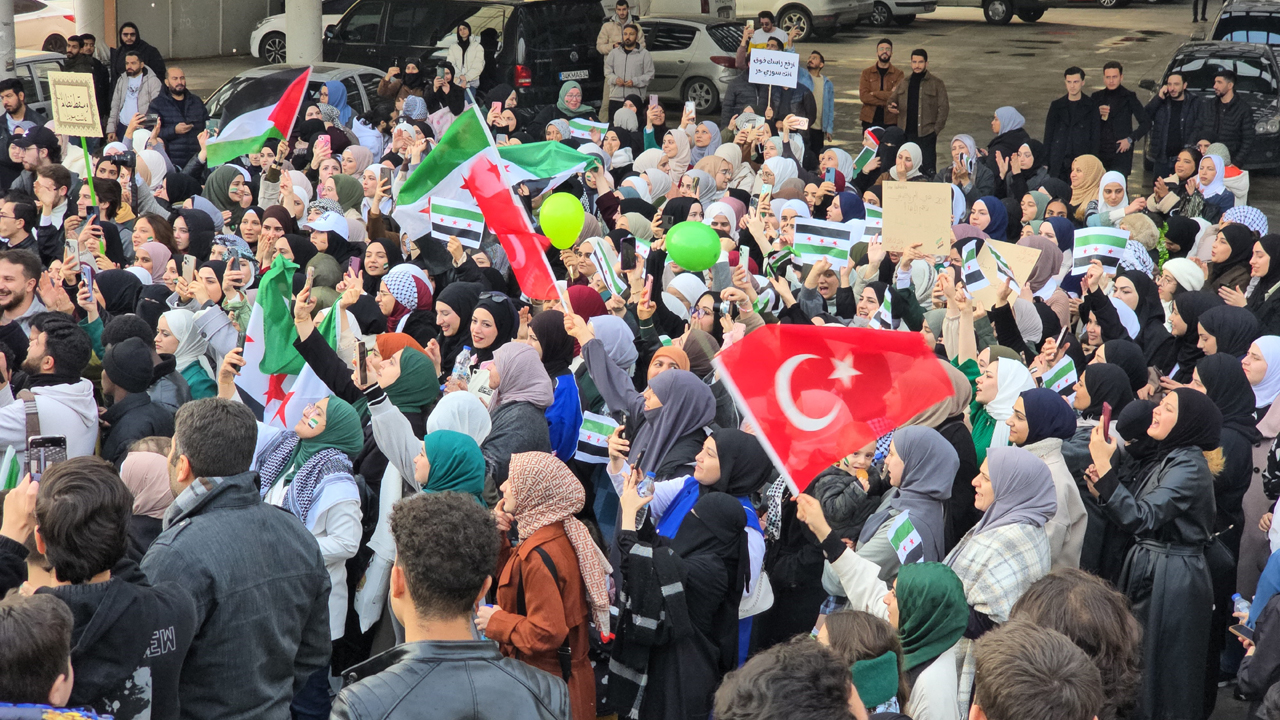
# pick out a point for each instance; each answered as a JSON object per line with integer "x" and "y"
{"x": 459, "y": 219}
{"x": 974, "y": 278}
{"x": 1105, "y": 244}
{"x": 816, "y": 239}
{"x": 883, "y": 317}
{"x": 260, "y": 111}
{"x": 593, "y": 438}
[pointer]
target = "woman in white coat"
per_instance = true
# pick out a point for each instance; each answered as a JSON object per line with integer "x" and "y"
{"x": 467, "y": 58}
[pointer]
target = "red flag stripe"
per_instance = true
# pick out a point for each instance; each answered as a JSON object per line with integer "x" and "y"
{"x": 526, "y": 249}
{"x": 286, "y": 110}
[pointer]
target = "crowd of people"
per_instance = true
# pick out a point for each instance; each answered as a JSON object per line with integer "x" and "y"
{"x": 502, "y": 507}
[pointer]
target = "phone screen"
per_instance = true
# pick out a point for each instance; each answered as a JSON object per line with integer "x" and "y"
{"x": 439, "y": 72}
{"x": 628, "y": 255}
{"x": 363, "y": 353}
{"x": 653, "y": 101}
{"x": 86, "y": 272}
{"x": 1106, "y": 421}
{"x": 1243, "y": 631}
{"x": 43, "y": 451}
{"x": 500, "y": 138}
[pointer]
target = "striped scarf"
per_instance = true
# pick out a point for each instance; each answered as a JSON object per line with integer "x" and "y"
{"x": 273, "y": 463}
{"x": 654, "y": 613}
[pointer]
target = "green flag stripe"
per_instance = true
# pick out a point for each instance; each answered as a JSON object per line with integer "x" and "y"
{"x": 462, "y": 141}
{"x": 804, "y": 249}
{"x": 456, "y": 212}
{"x": 902, "y": 533}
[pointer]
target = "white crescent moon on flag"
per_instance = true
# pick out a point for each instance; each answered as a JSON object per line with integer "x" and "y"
{"x": 782, "y": 387}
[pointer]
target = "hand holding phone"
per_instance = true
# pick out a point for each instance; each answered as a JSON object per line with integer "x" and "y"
{"x": 311, "y": 278}
{"x": 1106, "y": 421}
{"x": 188, "y": 267}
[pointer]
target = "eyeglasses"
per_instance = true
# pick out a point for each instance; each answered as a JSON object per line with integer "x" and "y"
{"x": 8, "y": 217}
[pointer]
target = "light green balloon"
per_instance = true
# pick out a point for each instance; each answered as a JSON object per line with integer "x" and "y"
{"x": 561, "y": 218}
{"x": 693, "y": 246}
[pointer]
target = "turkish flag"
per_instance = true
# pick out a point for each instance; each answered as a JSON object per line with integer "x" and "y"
{"x": 818, "y": 393}
{"x": 506, "y": 216}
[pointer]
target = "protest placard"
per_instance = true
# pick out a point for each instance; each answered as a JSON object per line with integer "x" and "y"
{"x": 773, "y": 67}
{"x": 1020, "y": 261}
{"x": 74, "y": 107}
{"x": 917, "y": 212}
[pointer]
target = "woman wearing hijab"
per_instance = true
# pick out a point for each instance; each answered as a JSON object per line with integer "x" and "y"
{"x": 907, "y": 164}
{"x": 568, "y": 106}
{"x": 1229, "y": 265}
{"x": 1139, "y": 293}
{"x": 1043, "y": 279}
{"x": 972, "y": 178}
{"x": 1098, "y": 383}
{"x": 676, "y": 147}
{"x": 989, "y": 215}
{"x": 454, "y": 306}
{"x": 1224, "y": 381}
{"x": 556, "y": 349}
{"x": 1170, "y": 512}
{"x": 1177, "y": 275}
{"x": 545, "y": 605}
{"x": 461, "y": 412}
{"x": 177, "y": 335}
{"x": 669, "y": 430}
{"x": 1112, "y": 203}
{"x": 1086, "y": 185}
{"x": 1041, "y": 421}
{"x": 193, "y": 233}
{"x": 1187, "y": 309}
{"x": 154, "y": 258}
{"x": 145, "y": 472}
{"x": 1010, "y": 135}
{"x": 705, "y": 137}
{"x": 777, "y": 170}
{"x": 404, "y": 291}
{"x": 998, "y": 389}
{"x": 308, "y": 472}
{"x": 741, "y": 177}
{"x": 920, "y": 465}
{"x": 697, "y": 614}
{"x": 1126, "y": 355}
{"x": 1210, "y": 198}
{"x": 522, "y": 392}
{"x": 335, "y": 93}
{"x": 224, "y": 188}
{"x": 1260, "y": 296}
{"x": 1227, "y": 330}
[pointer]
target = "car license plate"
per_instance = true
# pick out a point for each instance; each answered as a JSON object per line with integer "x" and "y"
{"x": 575, "y": 75}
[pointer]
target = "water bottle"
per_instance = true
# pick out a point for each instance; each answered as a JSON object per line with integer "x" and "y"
{"x": 1241, "y": 606}
{"x": 462, "y": 366}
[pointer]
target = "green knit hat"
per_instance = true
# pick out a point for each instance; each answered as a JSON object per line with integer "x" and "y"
{"x": 876, "y": 679}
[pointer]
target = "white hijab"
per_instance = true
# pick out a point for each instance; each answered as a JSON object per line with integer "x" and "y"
{"x": 719, "y": 208}
{"x": 1108, "y": 178}
{"x": 191, "y": 344}
{"x": 461, "y": 412}
{"x": 1012, "y": 378}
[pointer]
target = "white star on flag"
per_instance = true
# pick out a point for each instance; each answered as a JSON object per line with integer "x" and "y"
{"x": 844, "y": 371}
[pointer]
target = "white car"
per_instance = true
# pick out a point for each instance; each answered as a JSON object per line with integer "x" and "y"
{"x": 267, "y": 41}
{"x": 820, "y": 18}
{"x": 43, "y": 25}
{"x": 693, "y": 58}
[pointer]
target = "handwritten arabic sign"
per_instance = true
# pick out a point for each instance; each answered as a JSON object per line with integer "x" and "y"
{"x": 773, "y": 67}
{"x": 917, "y": 212}
{"x": 75, "y": 110}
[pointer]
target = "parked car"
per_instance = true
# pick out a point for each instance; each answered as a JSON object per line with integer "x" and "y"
{"x": 32, "y": 67}
{"x": 361, "y": 83}
{"x": 1002, "y": 12}
{"x": 693, "y": 58}
{"x": 43, "y": 25}
{"x": 267, "y": 41}
{"x": 1248, "y": 21}
{"x": 1256, "y": 82}
{"x": 540, "y": 44}
{"x": 902, "y": 12}
{"x": 815, "y": 18}
{"x": 724, "y": 9}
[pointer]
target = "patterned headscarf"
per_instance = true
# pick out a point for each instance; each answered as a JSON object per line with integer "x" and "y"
{"x": 412, "y": 291}
{"x": 546, "y": 492}
{"x": 1250, "y": 217}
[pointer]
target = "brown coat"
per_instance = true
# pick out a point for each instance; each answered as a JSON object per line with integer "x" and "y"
{"x": 872, "y": 96}
{"x": 934, "y": 105}
{"x": 395, "y": 88}
{"x": 554, "y": 610}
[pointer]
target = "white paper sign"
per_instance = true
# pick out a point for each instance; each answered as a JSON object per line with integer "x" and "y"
{"x": 774, "y": 67}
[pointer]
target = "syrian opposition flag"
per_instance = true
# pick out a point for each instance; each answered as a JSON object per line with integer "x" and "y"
{"x": 874, "y": 222}
{"x": 581, "y": 129}
{"x": 974, "y": 278}
{"x": 816, "y": 393}
{"x": 883, "y": 317}
{"x": 816, "y": 239}
{"x": 604, "y": 258}
{"x": 459, "y": 219}
{"x": 1105, "y": 244}
{"x": 1002, "y": 267}
{"x": 1061, "y": 376}
{"x": 905, "y": 539}
{"x": 593, "y": 438}
{"x": 260, "y": 111}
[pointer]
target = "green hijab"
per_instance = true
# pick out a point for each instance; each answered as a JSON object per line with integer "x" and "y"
{"x": 218, "y": 185}
{"x": 932, "y": 611}
{"x": 418, "y": 386}
{"x": 1042, "y": 202}
{"x": 350, "y": 192}
{"x": 583, "y": 109}
{"x": 342, "y": 431}
{"x": 457, "y": 465}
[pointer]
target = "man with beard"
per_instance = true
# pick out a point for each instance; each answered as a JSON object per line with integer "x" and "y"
{"x": 14, "y": 99}
{"x": 58, "y": 354}
{"x": 628, "y": 69}
{"x": 824, "y": 100}
{"x": 101, "y": 75}
{"x": 875, "y": 87}
{"x": 52, "y": 188}
{"x": 76, "y": 62}
{"x": 19, "y": 272}
{"x": 134, "y": 91}
{"x": 922, "y": 107}
{"x": 131, "y": 41}
{"x": 1073, "y": 126}
{"x": 1229, "y": 119}
{"x": 40, "y": 149}
{"x": 1175, "y": 114}
{"x": 182, "y": 118}
{"x": 1119, "y": 107}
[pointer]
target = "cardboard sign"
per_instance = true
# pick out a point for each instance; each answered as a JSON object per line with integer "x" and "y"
{"x": 773, "y": 67}
{"x": 75, "y": 109}
{"x": 917, "y": 212}
{"x": 1021, "y": 261}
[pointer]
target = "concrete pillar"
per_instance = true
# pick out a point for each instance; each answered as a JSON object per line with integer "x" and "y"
{"x": 8, "y": 38}
{"x": 91, "y": 17}
{"x": 306, "y": 26}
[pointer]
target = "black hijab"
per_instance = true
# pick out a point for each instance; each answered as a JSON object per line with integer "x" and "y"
{"x": 1126, "y": 355}
{"x": 678, "y": 208}
{"x": 1240, "y": 238}
{"x": 1181, "y": 231}
{"x": 715, "y": 532}
{"x": 745, "y": 467}
{"x": 1235, "y": 329}
{"x": 1149, "y": 310}
{"x": 557, "y": 346}
{"x": 499, "y": 94}
{"x": 1132, "y": 424}
{"x": 461, "y": 297}
{"x": 636, "y": 205}
{"x": 372, "y": 283}
{"x": 119, "y": 291}
{"x": 179, "y": 186}
{"x": 1189, "y": 306}
{"x": 1048, "y": 415}
{"x": 1227, "y": 386}
{"x": 505, "y": 320}
{"x": 1199, "y": 423}
{"x": 1105, "y": 383}
{"x": 1271, "y": 246}
{"x": 200, "y": 233}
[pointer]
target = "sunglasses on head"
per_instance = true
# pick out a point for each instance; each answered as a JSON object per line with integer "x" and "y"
{"x": 493, "y": 295}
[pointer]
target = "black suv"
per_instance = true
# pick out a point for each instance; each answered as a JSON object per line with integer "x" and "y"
{"x": 1248, "y": 21}
{"x": 542, "y": 44}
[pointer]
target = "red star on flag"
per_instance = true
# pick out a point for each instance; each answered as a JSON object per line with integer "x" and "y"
{"x": 280, "y": 410}
{"x": 275, "y": 388}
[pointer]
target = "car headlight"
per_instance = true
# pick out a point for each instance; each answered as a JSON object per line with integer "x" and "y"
{"x": 1273, "y": 125}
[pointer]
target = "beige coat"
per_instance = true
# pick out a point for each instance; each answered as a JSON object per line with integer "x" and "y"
{"x": 1066, "y": 528}
{"x": 611, "y": 34}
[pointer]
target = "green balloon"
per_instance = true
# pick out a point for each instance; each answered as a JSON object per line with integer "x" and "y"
{"x": 561, "y": 219}
{"x": 693, "y": 246}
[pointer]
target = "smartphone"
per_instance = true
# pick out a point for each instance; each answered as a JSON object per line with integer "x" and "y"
{"x": 667, "y": 222}
{"x": 90, "y": 215}
{"x": 355, "y": 264}
{"x": 311, "y": 277}
{"x": 86, "y": 273}
{"x": 1243, "y": 631}
{"x": 497, "y": 108}
{"x": 149, "y": 121}
{"x": 1106, "y": 421}
{"x": 439, "y": 72}
{"x": 500, "y": 138}
{"x": 690, "y": 106}
{"x": 362, "y": 352}
{"x": 653, "y": 101}
{"x": 830, "y": 176}
{"x": 43, "y": 451}
{"x": 188, "y": 267}
{"x": 628, "y": 255}
{"x": 799, "y": 123}
{"x": 323, "y": 141}
{"x": 695, "y": 187}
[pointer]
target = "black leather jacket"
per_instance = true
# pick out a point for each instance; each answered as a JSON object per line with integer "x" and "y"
{"x": 455, "y": 680}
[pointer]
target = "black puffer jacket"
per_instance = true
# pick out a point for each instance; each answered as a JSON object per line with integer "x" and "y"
{"x": 453, "y": 679}
{"x": 1230, "y": 124}
{"x": 845, "y": 504}
{"x": 1193, "y": 112}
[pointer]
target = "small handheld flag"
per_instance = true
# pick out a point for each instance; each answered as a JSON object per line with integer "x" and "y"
{"x": 1105, "y": 244}
{"x": 457, "y": 218}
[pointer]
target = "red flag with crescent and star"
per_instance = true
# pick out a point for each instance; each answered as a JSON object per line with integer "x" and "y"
{"x": 818, "y": 393}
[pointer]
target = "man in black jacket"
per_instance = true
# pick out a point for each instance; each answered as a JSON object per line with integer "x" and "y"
{"x": 129, "y": 639}
{"x": 446, "y": 545}
{"x": 1073, "y": 127}
{"x": 126, "y": 374}
{"x": 1118, "y": 108}
{"x": 182, "y": 118}
{"x": 1229, "y": 119}
{"x": 1175, "y": 114}
{"x": 130, "y": 40}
